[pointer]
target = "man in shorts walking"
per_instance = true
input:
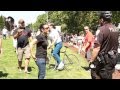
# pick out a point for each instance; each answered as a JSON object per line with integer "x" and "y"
{"x": 22, "y": 34}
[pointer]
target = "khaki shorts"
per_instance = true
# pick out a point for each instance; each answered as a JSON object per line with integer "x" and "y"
{"x": 21, "y": 51}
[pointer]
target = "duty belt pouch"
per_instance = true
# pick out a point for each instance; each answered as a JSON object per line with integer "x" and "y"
{"x": 101, "y": 59}
{"x": 98, "y": 64}
{"x": 112, "y": 57}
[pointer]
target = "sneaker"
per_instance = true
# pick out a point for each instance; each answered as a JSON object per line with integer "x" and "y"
{"x": 27, "y": 72}
{"x": 60, "y": 66}
{"x": 20, "y": 70}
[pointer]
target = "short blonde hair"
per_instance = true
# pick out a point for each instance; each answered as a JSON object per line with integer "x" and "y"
{"x": 86, "y": 27}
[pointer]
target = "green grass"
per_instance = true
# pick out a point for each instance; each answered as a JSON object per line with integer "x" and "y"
{"x": 9, "y": 70}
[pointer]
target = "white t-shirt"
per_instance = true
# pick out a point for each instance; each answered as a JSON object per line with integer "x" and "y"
{"x": 54, "y": 33}
{"x": 13, "y": 31}
{"x": 4, "y": 31}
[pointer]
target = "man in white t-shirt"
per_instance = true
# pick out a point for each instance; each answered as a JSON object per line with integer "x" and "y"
{"x": 4, "y": 32}
{"x": 14, "y": 40}
{"x": 56, "y": 41}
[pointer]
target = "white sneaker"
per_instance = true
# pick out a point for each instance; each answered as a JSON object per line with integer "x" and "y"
{"x": 61, "y": 66}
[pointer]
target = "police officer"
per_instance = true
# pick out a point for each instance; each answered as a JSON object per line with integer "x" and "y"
{"x": 105, "y": 48}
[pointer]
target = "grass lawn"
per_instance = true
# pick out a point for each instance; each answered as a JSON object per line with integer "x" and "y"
{"x": 9, "y": 70}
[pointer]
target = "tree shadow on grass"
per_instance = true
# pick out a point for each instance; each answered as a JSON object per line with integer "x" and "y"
{"x": 3, "y": 74}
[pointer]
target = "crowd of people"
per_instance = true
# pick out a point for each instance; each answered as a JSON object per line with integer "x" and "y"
{"x": 100, "y": 50}
{"x": 80, "y": 41}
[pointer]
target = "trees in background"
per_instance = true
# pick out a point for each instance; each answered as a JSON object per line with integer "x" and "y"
{"x": 70, "y": 21}
{"x": 2, "y": 22}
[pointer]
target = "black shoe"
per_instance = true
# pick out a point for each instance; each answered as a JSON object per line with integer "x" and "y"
{"x": 86, "y": 68}
{"x": 51, "y": 66}
{"x": 56, "y": 66}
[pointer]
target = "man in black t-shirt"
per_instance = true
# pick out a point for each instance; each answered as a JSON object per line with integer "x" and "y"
{"x": 41, "y": 50}
{"x": 22, "y": 34}
{"x": 105, "y": 49}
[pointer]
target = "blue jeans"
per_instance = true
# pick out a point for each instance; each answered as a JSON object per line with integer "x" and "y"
{"x": 88, "y": 54}
{"x": 56, "y": 52}
{"x": 41, "y": 63}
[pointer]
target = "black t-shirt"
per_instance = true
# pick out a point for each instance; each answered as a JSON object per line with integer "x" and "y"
{"x": 22, "y": 41}
{"x": 41, "y": 47}
{"x": 107, "y": 38}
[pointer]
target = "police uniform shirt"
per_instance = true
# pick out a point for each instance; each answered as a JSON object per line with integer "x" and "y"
{"x": 107, "y": 38}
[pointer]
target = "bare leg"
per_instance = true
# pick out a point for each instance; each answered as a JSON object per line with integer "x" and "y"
{"x": 26, "y": 64}
{"x": 20, "y": 65}
{"x": 79, "y": 50}
{"x": 20, "y": 57}
{"x": 16, "y": 51}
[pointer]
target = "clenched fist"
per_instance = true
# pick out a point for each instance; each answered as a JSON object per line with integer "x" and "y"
{"x": 20, "y": 31}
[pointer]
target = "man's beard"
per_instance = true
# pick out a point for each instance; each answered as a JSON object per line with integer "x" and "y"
{"x": 22, "y": 27}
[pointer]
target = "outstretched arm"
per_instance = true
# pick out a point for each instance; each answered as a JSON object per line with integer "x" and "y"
{"x": 95, "y": 52}
{"x": 51, "y": 44}
{"x": 32, "y": 43}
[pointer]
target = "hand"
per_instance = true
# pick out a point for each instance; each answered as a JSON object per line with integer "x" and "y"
{"x": 90, "y": 61}
{"x": 49, "y": 47}
{"x": 83, "y": 52}
{"x": 20, "y": 31}
{"x": 33, "y": 56}
{"x": 83, "y": 49}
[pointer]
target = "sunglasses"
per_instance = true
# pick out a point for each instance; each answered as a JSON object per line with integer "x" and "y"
{"x": 46, "y": 28}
